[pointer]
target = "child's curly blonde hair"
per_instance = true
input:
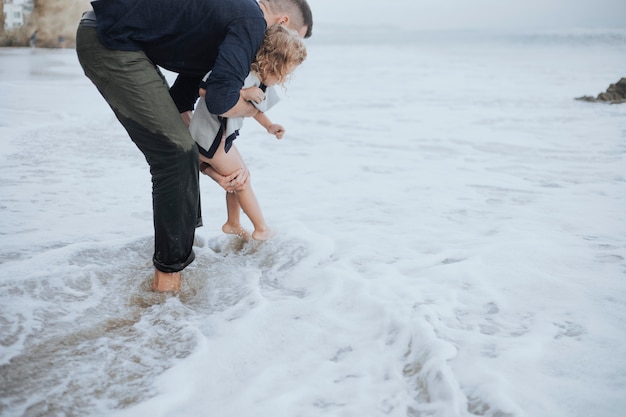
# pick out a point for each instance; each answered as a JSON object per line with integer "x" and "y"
{"x": 281, "y": 49}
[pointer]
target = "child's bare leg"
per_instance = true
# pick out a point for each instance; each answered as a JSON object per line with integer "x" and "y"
{"x": 233, "y": 224}
{"x": 221, "y": 161}
{"x": 225, "y": 163}
{"x": 250, "y": 206}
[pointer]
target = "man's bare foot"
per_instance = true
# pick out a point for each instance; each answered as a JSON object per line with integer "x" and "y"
{"x": 166, "y": 281}
{"x": 236, "y": 229}
{"x": 261, "y": 234}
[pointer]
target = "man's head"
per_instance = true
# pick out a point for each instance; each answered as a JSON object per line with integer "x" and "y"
{"x": 295, "y": 14}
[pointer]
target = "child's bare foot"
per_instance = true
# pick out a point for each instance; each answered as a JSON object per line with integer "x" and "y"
{"x": 261, "y": 234}
{"x": 236, "y": 229}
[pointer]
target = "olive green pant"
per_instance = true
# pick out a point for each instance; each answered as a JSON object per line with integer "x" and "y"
{"x": 139, "y": 96}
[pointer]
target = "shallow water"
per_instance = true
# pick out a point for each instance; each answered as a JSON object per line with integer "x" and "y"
{"x": 450, "y": 242}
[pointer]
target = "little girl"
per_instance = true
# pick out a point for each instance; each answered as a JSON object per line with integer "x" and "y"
{"x": 281, "y": 52}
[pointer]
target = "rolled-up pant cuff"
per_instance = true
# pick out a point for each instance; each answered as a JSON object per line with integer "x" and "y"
{"x": 176, "y": 267}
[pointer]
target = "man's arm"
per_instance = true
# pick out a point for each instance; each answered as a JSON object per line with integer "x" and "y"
{"x": 236, "y": 52}
{"x": 184, "y": 92}
{"x": 243, "y": 108}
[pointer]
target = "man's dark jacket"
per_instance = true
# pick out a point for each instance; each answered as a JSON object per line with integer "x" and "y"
{"x": 191, "y": 38}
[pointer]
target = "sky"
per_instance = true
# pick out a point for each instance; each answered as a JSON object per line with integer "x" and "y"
{"x": 475, "y": 14}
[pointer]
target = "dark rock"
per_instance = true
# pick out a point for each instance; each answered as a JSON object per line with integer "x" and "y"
{"x": 615, "y": 94}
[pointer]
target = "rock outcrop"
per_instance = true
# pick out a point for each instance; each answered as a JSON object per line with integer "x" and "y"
{"x": 615, "y": 94}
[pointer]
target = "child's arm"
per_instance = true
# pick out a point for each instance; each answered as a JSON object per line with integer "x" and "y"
{"x": 272, "y": 128}
{"x": 257, "y": 95}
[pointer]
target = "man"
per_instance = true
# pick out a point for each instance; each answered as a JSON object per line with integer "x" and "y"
{"x": 120, "y": 48}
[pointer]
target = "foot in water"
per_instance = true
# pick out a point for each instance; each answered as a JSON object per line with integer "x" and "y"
{"x": 236, "y": 229}
{"x": 166, "y": 281}
{"x": 263, "y": 234}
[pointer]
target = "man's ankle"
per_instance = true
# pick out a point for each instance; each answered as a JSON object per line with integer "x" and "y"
{"x": 166, "y": 281}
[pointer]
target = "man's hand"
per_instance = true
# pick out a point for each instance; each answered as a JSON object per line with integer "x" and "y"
{"x": 238, "y": 180}
{"x": 187, "y": 117}
{"x": 254, "y": 94}
{"x": 276, "y": 130}
{"x": 231, "y": 183}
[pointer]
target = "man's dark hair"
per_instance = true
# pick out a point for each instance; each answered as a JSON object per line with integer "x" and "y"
{"x": 298, "y": 10}
{"x": 307, "y": 16}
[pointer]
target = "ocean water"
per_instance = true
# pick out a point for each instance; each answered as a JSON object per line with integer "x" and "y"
{"x": 450, "y": 240}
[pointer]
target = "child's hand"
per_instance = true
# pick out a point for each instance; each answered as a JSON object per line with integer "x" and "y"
{"x": 254, "y": 94}
{"x": 277, "y": 130}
